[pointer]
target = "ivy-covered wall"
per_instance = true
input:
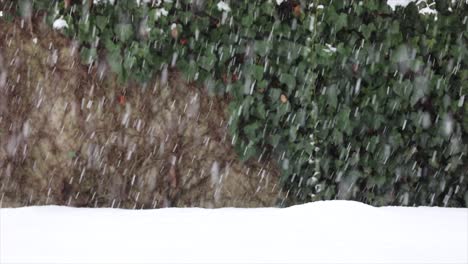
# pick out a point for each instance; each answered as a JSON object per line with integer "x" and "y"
{"x": 353, "y": 99}
{"x": 385, "y": 120}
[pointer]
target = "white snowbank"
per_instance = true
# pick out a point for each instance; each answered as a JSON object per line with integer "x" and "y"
{"x": 321, "y": 232}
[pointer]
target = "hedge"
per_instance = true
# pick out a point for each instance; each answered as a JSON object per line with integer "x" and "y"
{"x": 386, "y": 119}
{"x": 353, "y": 99}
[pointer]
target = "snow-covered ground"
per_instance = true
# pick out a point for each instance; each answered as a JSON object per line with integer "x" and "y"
{"x": 321, "y": 232}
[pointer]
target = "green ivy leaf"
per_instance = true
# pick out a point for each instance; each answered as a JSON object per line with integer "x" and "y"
{"x": 207, "y": 62}
{"x": 101, "y": 22}
{"x": 124, "y": 32}
{"x": 262, "y": 47}
{"x": 88, "y": 55}
{"x": 341, "y": 22}
{"x": 258, "y": 72}
{"x": 289, "y": 80}
{"x": 252, "y": 131}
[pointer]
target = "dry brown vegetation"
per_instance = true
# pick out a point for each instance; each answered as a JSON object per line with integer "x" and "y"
{"x": 70, "y": 137}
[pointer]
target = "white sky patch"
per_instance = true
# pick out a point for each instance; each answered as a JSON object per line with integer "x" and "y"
{"x": 312, "y": 5}
{"x": 425, "y": 11}
{"x": 144, "y": 1}
{"x": 60, "y": 23}
{"x": 428, "y": 11}
{"x": 160, "y": 12}
{"x": 97, "y": 2}
{"x": 1, "y": 13}
{"x": 394, "y": 3}
{"x": 222, "y": 6}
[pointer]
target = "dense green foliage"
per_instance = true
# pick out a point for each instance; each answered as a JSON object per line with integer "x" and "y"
{"x": 388, "y": 113}
{"x": 353, "y": 99}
